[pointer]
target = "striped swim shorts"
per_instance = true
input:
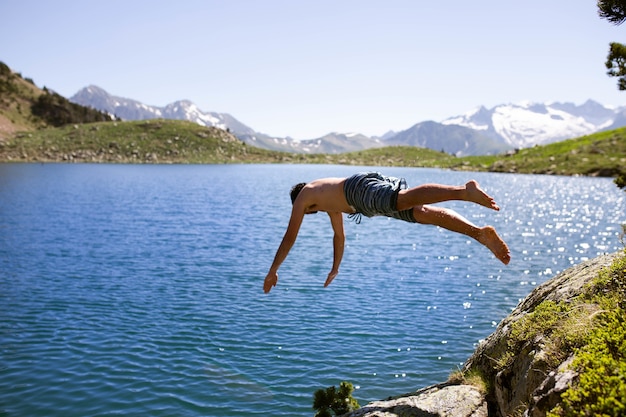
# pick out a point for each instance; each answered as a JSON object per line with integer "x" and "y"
{"x": 373, "y": 194}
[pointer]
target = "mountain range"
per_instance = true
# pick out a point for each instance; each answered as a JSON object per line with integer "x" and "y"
{"x": 481, "y": 131}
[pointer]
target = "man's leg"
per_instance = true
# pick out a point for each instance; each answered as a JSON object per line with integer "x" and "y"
{"x": 451, "y": 220}
{"x": 436, "y": 193}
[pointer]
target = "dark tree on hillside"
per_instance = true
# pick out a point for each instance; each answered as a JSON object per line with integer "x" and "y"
{"x": 58, "y": 111}
{"x": 4, "y": 69}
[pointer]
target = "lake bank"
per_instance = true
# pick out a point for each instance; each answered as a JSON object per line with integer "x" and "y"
{"x": 176, "y": 142}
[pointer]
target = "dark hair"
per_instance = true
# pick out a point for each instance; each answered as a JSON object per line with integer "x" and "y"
{"x": 295, "y": 190}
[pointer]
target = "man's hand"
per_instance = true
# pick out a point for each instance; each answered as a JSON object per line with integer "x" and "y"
{"x": 270, "y": 281}
{"x": 331, "y": 277}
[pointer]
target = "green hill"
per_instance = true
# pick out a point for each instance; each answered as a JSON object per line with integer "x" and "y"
{"x": 153, "y": 141}
{"x": 599, "y": 154}
{"x": 173, "y": 141}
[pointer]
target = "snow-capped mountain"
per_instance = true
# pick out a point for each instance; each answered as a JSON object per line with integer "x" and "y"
{"x": 330, "y": 143}
{"x": 526, "y": 124}
{"x": 453, "y": 139}
{"x": 340, "y": 142}
{"x": 127, "y": 109}
{"x": 479, "y": 132}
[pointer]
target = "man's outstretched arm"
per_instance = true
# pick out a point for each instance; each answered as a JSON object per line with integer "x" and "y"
{"x": 339, "y": 238}
{"x": 297, "y": 214}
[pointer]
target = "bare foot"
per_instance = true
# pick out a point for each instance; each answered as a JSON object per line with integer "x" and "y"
{"x": 476, "y": 195}
{"x": 489, "y": 237}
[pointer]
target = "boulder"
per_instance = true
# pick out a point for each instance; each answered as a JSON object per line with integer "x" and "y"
{"x": 442, "y": 400}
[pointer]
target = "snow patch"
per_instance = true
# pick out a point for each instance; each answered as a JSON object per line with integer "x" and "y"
{"x": 526, "y": 123}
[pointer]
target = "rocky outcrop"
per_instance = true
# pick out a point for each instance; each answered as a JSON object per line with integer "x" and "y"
{"x": 444, "y": 400}
{"x": 530, "y": 384}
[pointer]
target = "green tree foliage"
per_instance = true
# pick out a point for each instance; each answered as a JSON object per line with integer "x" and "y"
{"x": 615, "y": 12}
{"x": 57, "y": 111}
{"x": 339, "y": 401}
{"x": 612, "y": 10}
{"x": 616, "y": 63}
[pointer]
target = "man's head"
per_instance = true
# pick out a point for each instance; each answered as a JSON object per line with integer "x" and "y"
{"x": 295, "y": 190}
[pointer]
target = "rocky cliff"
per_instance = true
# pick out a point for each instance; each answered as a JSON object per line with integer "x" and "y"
{"x": 526, "y": 365}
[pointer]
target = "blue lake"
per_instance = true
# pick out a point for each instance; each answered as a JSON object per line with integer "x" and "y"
{"x": 137, "y": 290}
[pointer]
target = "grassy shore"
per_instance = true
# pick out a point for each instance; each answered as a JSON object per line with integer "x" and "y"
{"x": 172, "y": 141}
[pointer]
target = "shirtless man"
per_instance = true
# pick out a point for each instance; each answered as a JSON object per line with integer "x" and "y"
{"x": 372, "y": 194}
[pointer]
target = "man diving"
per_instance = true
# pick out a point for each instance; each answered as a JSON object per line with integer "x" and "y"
{"x": 372, "y": 194}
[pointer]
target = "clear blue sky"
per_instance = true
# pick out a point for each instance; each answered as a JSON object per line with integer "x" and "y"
{"x": 307, "y": 68}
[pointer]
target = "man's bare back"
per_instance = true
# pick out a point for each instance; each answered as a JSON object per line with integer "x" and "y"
{"x": 325, "y": 194}
{"x": 328, "y": 195}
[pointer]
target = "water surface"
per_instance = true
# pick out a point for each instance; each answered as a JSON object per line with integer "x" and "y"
{"x": 137, "y": 290}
